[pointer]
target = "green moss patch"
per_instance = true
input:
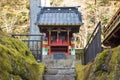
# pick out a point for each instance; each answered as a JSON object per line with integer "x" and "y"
{"x": 16, "y": 60}
{"x": 106, "y": 66}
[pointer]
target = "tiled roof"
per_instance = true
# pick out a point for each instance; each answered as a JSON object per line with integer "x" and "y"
{"x": 59, "y": 16}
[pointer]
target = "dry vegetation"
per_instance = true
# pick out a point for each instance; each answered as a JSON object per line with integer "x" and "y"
{"x": 14, "y": 16}
{"x": 93, "y": 12}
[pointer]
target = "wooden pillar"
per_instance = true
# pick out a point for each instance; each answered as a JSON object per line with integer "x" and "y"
{"x": 49, "y": 41}
{"x": 68, "y": 42}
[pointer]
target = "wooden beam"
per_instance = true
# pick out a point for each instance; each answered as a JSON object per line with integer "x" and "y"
{"x": 68, "y": 40}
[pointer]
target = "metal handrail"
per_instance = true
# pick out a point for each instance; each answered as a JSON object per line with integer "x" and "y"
{"x": 92, "y": 35}
{"x": 35, "y": 51}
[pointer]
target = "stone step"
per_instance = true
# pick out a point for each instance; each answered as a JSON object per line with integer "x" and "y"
{"x": 60, "y": 71}
{"x": 59, "y": 74}
{"x": 68, "y": 62}
{"x": 59, "y": 77}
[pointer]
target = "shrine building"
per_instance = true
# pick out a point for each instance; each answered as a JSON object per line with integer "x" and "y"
{"x": 58, "y": 24}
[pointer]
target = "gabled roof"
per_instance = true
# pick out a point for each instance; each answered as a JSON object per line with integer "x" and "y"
{"x": 67, "y": 16}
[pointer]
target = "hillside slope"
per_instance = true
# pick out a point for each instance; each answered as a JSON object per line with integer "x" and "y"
{"x": 14, "y": 16}
{"x": 92, "y": 13}
{"x": 16, "y": 60}
{"x": 105, "y": 67}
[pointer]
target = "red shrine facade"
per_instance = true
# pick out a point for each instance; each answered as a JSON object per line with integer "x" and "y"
{"x": 58, "y": 24}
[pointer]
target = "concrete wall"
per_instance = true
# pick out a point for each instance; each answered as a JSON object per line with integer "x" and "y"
{"x": 35, "y": 6}
{"x": 34, "y": 9}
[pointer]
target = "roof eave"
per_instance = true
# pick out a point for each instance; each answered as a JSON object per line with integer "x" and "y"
{"x": 43, "y": 25}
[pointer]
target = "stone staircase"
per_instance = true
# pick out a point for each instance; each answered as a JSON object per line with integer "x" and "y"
{"x": 59, "y": 69}
{"x": 59, "y": 74}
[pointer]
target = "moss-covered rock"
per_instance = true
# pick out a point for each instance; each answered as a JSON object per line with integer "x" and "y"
{"x": 105, "y": 67}
{"x": 16, "y": 60}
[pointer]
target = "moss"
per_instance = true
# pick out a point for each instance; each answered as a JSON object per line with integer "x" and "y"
{"x": 83, "y": 71}
{"x": 80, "y": 71}
{"x": 4, "y": 75}
{"x": 106, "y": 66}
{"x": 16, "y": 60}
{"x": 15, "y": 77}
{"x": 87, "y": 70}
{"x": 114, "y": 63}
{"x": 101, "y": 60}
{"x": 102, "y": 76}
{"x": 4, "y": 59}
{"x": 41, "y": 68}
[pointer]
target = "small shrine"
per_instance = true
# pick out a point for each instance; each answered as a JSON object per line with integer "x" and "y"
{"x": 58, "y": 24}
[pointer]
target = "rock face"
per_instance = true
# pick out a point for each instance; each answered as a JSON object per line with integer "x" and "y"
{"x": 105, "y": 67}
{"x": 16, "y": 60}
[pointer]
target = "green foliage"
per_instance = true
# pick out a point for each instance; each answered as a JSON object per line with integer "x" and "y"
{"x": 104, "y": 67}
{"x": 80, "y": 71}
{"x": 16, "y": 60}
{"x": 83, "y": 71}
{"x": 101, "y": 60}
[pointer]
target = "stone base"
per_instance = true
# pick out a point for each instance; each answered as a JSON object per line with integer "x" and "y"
{"x": 67, "y": 62}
